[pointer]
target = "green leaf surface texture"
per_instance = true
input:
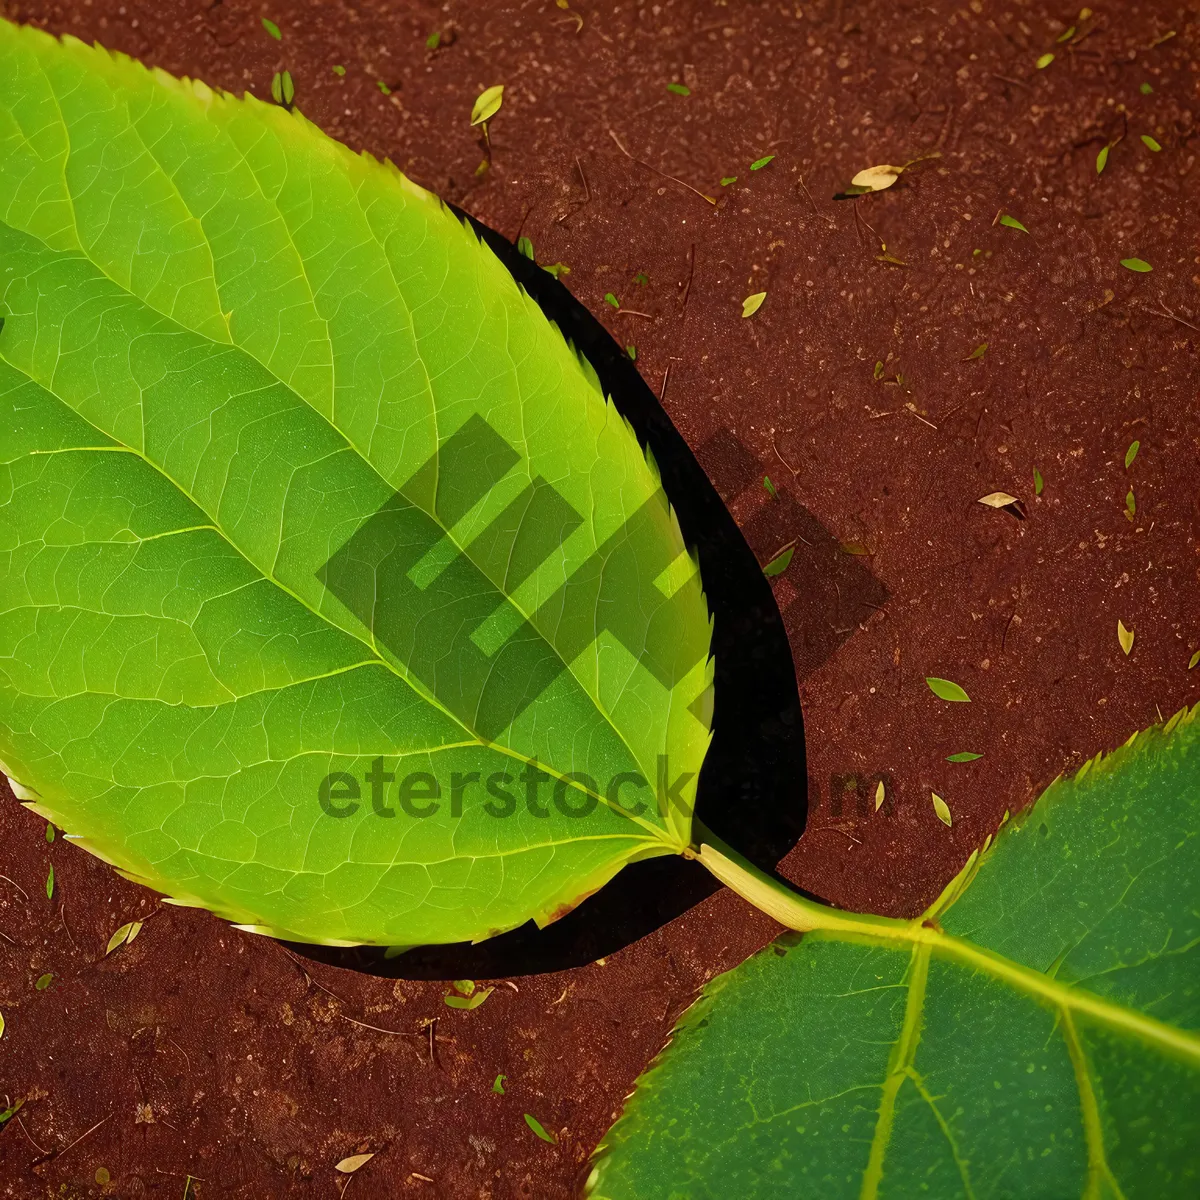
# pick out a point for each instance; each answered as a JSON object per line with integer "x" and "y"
{"x": 1044, "y": 1042}
{"x": 294, "y": 478}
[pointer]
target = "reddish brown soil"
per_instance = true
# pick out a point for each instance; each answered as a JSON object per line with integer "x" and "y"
{"x": 203, "y": 1051}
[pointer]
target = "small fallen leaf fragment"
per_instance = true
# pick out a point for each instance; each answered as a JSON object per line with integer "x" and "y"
{"x": 1102, "y": 159}
{"x": 997, "y": 500}
{"x": 856, "y": 548}
{"x": 891, "y": 258}
{"x": 1131, "y": 453}
{"x": 1124, "y": 636}
{"x": 963, "y": 756}
{"x": 1041, "y": 64}
{"x": 103, "y": 1176}
{"x": 780, "y": 562}
{"x": 679, "y": 89}
{"x": 44, "y": 981}
{"x": 942, "y": 809}
{"x": 875, "y": 179}
{"x": 1150, "y": 143}
{"x": 1194, "y": 660}
{"x": 498, "y": 1085}
{"x": 1066, "y": 35}
{"x": 471, "y": 1002}
{"x": 1012, "y": 223}
{"x": 947, "y": 689}
{"x": 770, "y": 487}
{"x": 726, "y": 180}
{"x": 50, "y": 884}
{"x": 1145, "y": 89}
{"x": 759, "y": 163}
{"x": 752, "y": 304}
{"x": 1038, "y": 482}
{"x": 880, "y": 795}
{"x": 487, "y": 104}
{"x": 641, "y": 279}
{"x": 272, "y": 29}
{"x": 349, "y": 1165}
{"x": 1136, "y": 264}
{"x": 119, "y": 938}
{"x": 540, "y": 1129}
{"x": 978, "y": 352}
{"x": 283, "y": 90}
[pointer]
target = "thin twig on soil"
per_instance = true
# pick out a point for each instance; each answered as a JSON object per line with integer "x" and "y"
{"x": 88, "y": 1133}
{"x": 663, "y": 390}
{"x": 16, "y": 885}
{"x": 633, "y": 312}
{"x": 377, "y": 1029}
{"x": 43, "y": 1153}
{"x": 783, "y": 460}
{"x": 1167, "y": 315}
{"x": 687, "y": 291}
{"x": 664, "y": 175}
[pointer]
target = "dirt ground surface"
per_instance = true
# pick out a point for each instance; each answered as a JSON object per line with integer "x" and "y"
{"x": 200, "y": 1051}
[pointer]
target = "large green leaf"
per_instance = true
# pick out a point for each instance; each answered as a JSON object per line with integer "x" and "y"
{"x": 1036, "y": 1035}
{"x": 295, "y": 478}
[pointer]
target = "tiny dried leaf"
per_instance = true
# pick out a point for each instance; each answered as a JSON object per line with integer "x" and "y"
{"x": 752, "y": 304}
{"x": 997, "y": 500}
{"x": 1131, "y": 453}
{"x": 119, "y": 938}
{"x": 875, "y": 179}
{"x": 1012, "y": 223}
{"x": 487, "y": 104}
{"x": 856, "y": 548}
{"x": 978, "y": 352}
{"x": 942, "y": 809}
{"x": 880, "y": 794}
{"x": 540, "y": 1129}
{"x": 349, "y": 1165}
{"x": 1150, "y": 143}
{"x": 947, "y": 689}
{"x": 963, "y": 756}
{"x": 1136, "y": 264}
{"x": 780, "y": 562}
{"x": 1124, "y": 636}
